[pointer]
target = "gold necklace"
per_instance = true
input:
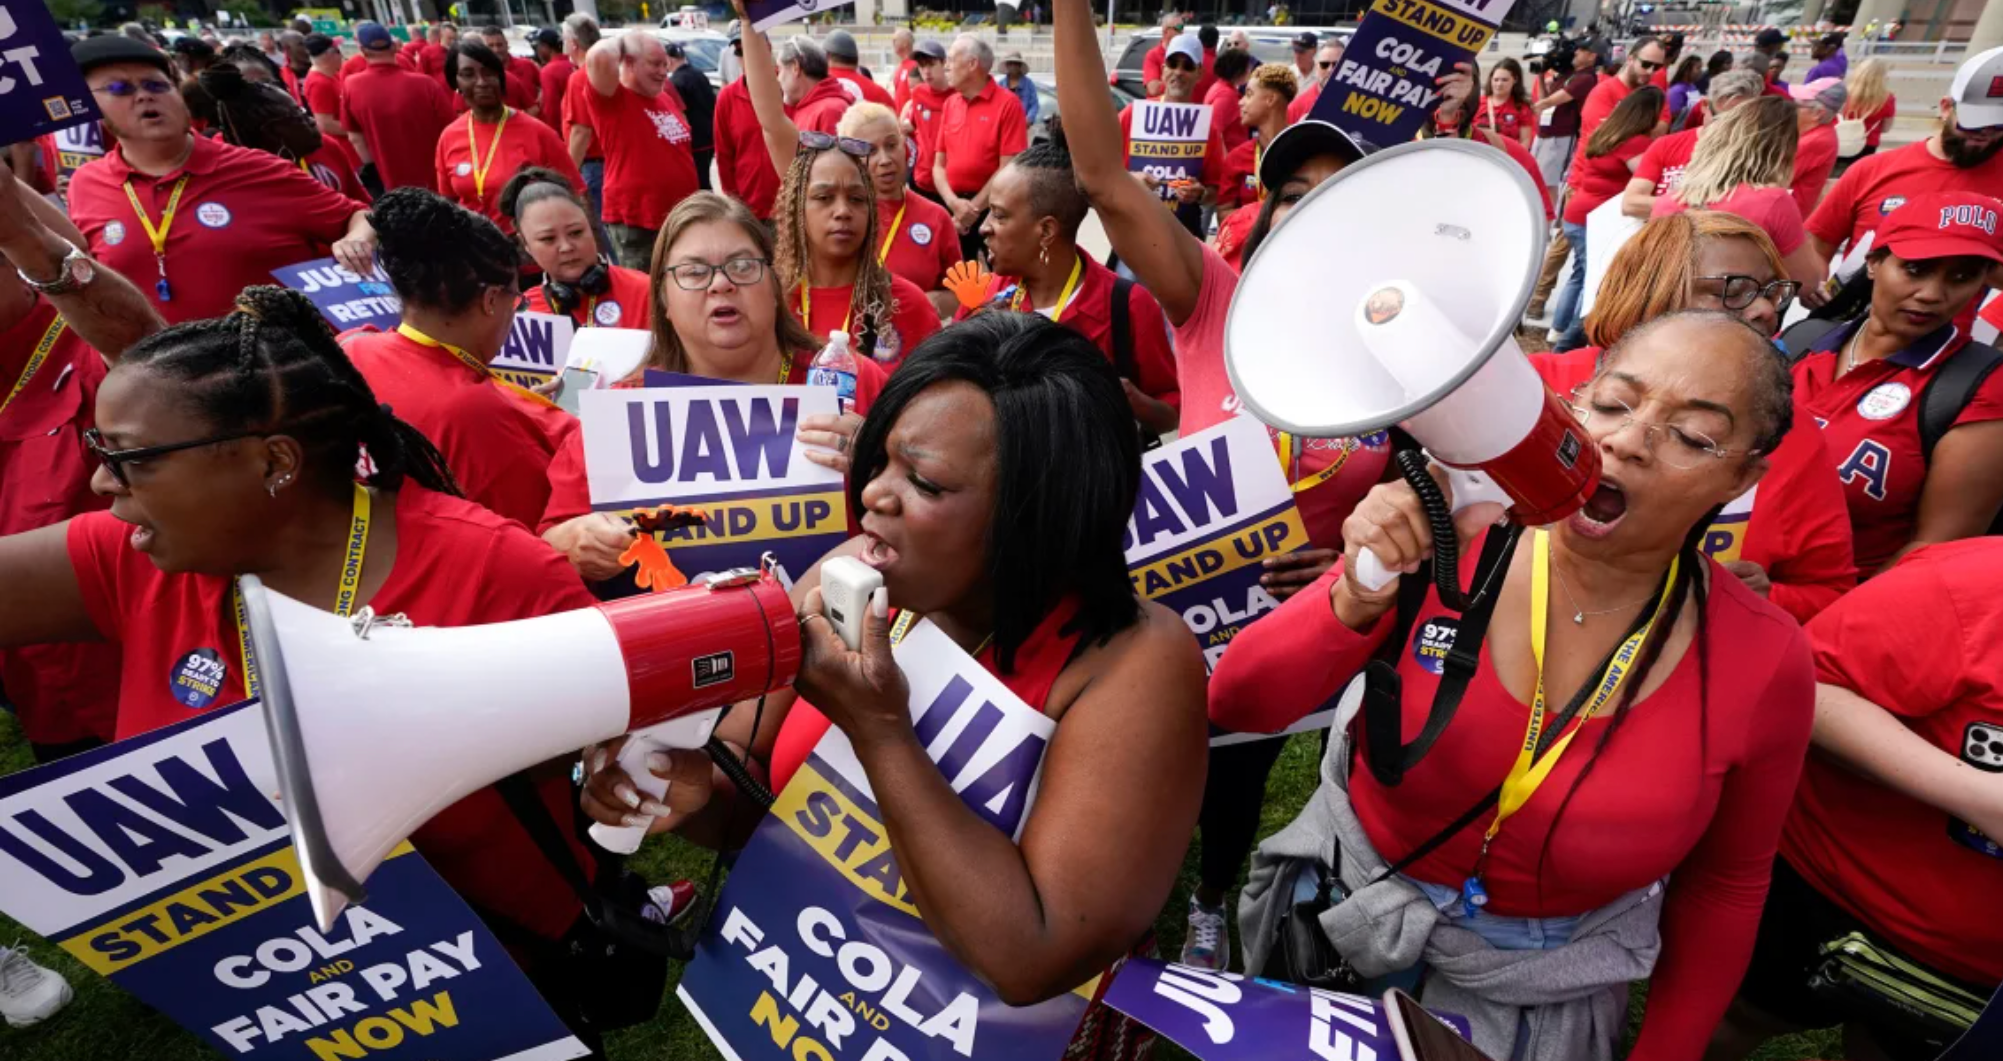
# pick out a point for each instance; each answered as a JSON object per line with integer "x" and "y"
{"x": 1579, "y": 614}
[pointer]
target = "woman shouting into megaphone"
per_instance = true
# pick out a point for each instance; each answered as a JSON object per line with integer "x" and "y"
{"x": 1670, "y": 705}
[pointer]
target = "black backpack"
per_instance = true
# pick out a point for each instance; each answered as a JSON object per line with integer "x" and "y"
{"x": 1947, "y": 392}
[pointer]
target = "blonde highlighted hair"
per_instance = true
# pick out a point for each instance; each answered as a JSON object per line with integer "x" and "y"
{"x": 1753, "y": 143}
{"x": 863, "y": 112}
{"x": 1867, "y": 89}
{"x": 1653, "y": 272}
{"x": 1278, "y": 78}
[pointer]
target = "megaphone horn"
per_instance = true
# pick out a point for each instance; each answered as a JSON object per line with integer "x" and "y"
{"x": 1390, "y": 296}
{"x": 377, "y": 727}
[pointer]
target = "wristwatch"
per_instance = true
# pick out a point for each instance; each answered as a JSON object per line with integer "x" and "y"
{"x": 76, "y": 271}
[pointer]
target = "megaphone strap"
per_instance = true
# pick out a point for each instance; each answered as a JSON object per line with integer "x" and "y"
{"x": 345, "y": 597}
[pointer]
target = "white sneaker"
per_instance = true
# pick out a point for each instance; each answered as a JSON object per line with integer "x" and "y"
{"x": 1208, "y": 944}
{"x": 29, "y": 993}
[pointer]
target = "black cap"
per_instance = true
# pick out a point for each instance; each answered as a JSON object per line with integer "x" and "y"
{"x": 673, "y": 49}
{"x": 194, "y": 46}
{"x": 1306, "y": 42}
{"x": 1769, "y": 37}
{"x": 930, "y": 50}
{"x": 319, "y": 44}
{"x": 1836, "y": 38}
{"x": 1303, "y": 140}
{"x": 839, "y": 45}
{"x": 547, "y": 36}
{"x": 93, "y": 52}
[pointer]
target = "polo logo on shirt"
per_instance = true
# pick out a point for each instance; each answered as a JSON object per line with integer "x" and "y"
{"x": 114, "y": 233}
{"x": 463, "y": 168}
{"x": 607, "y": 314}
{"x": 1891, "y": 203}
{"x": 214, "y": 215}
{"x": 1884, "y": 401}
{"x": 198, "y": 678}
{"x": 1969, "y": 214}
{"x": 1432, "y": 642}
{"x": 921, "y": 234}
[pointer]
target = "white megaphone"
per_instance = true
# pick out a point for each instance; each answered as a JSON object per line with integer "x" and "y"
{"x": 1389, "y": 297}
{"x": 376, "y": 726}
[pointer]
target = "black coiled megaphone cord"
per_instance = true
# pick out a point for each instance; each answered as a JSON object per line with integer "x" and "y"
{"x": 1412, "y": 464}
{"x": 739, "y": 775}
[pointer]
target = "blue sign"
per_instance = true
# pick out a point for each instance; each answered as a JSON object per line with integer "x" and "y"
{"x": 1384, "y": 90}
{"x": 41, "y": 89}
{"x": 345, "y": 299}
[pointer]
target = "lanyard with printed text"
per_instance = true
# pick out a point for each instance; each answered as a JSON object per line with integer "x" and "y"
{"x": 474, "y": 363}
{"x": 1290, "y": 460}
{"x": 35, "y": 359}
{"x": 1063, "y": 297}
{"x": 883, "y": 252}
{"x": 158, "y": 235}
{"x": 344, "y": 597}
{"x": 493, "y": 148}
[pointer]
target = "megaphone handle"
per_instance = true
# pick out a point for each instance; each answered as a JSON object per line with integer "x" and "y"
{"x": 1469, "y": 487}
{"x": 689, "y": 731}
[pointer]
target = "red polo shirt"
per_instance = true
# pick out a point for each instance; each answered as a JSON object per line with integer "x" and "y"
{"x": 61, "y": 692}
{"x": 1090, "y": 314}
{"x": 1509, "y": 119}
{"x": 1870, "y": 422}
{"x": 1152, "y": 65}
{"x": 912, "y": 318}
{"x": 821, "y": 109}
{"x": 400, "y": 114}
{"x": 242, "y": 214}
{"x": 649, "y": 162}
{"x": 456, "y": 565}
{"x": 406, "y": 59}
{"x": 528, "y": 74}
{"x": 1303, "y": 103}
{"x": 1920, "y": 642}
{"x": 497, "y": 442}
{"x": 743, "y": 164}
{"x": 554, "y": 78}
{"x": 575, "y": 97}
{"x": 1875, "y": 186}
{"x": 870, "y": 90}
{"x": 466, "y": 145}
{"x": 623, "y": 306}
{"x": 923, "y": 241}
{"x": 430, "y": 62}
{"x": 1239, "y": 183}
{"x": 927, "y": 108}
{"x": 1664, "y": 161}
{"x": 976, "y": 134}
{"x": 1814, "y": 160}
{"x": 334, "y": 166}
{"x": 1213, "y": 151}
{"x": 906, "y": 72}
{"x": 323, "y": 95}
{"x": 1225, "y": 117}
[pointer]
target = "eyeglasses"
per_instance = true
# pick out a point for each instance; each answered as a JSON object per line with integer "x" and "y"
{"x": 1324, "y": 65}
{"x": 120, "y": 89}
{"x": 1685, "y": 448}
{"x": 813, "y": 140}
{"x": 115, "y": 460}
{"x": 1648, "y": 67}
{"x": 1738, "y": 292}
{"x": 1187, "y": 65}
{"x": 698, "y": 276}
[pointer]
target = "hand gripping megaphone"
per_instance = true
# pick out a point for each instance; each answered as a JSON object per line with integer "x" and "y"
{"x": 1389, "y": 297}
{"x": 376, "y": 726}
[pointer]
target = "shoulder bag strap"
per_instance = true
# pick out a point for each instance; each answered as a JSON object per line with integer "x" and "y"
{"x": 1950, "y": 390}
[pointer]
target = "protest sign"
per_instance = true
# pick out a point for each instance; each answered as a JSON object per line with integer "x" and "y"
{"x": 76, "y": 145}
{"x": 815, "y": 948}
{"x": 1726, "y": 536}
{"x": 41, "y": 89}
{"x": 1224, "y": 1015}
{"x": 538, "y": 347}
{"x": 164, "y": 863}
{"x": 345, "y": 299}
{"x": 768, "y": 13}
{"x": 1386, "y": 86}
{"x": 731, "y": 450}
{"x": 1167, "y": 142}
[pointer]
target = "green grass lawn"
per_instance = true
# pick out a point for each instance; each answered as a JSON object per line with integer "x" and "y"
{"x": 106, "y": 1023}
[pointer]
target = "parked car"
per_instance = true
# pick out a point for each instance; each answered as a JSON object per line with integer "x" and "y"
{"x": 1270, "y": 44}
{"x": 704, "y": 48}
{"x": 1046, "y": 104}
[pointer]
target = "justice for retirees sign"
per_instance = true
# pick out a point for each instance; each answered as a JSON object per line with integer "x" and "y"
{"x": 163, "y": 862}
{"x": 1388, "y": 81}
{"x": 346, "y": 299}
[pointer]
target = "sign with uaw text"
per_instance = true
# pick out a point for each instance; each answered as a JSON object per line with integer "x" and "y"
{"x": 538, "y": 347}
{"x": 734, "y": 452}
{"x": 1387, "y": 84}
{"x": 163, "y": 862}
{"x": 345, "y": 299}
{"x": 41, "y": 89}
{"x": 1168, "y": 141}
{"x": 816, "y": 949}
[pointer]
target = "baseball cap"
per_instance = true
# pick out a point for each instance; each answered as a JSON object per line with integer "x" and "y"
{"x": 1825, "y": 92}
{"x": 547, "y": 36}
{"x": 1977, "y": 93}
{"x": 319, "y": 44}
{"x": 1943, "y": 225}
{"x": 1303, "y": 140}
{"x": 839, "y": 45}
{"x": 1769, "y": 37}
{"x": 673, "y": 50}
{"x": 932, "y": 50}
{"x": 736, "y": 31}
{"x": 1306, "y": 42}
{"x": 1187, "y": 46}
{"x": 373, "y": 37}
{"x": 93, "y": 52}
{"x": 1835, "y": 37}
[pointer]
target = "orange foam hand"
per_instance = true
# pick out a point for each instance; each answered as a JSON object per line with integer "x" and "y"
{"x": 968, "y": 281}
{"x": 656, "y": 572}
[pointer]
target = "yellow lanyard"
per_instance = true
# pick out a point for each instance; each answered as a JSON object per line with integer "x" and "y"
{"x": 493, "y": 148}
{"x": 41, "y": 354}
{"x": 883, "y": 252}
{"x": 158, "y": 236}
{"x": 474, "y": 363}
{"x": 907, "y": 619}
{"x": 1063, "y": 297}
{"x": 785, "y": 366}
{"x": 1257, "y": 185}
{"x": 590, "y": 311}
{"x": 1290, "y": 459}
{"x": 344, "y": 598}
{"x": 807, "y": 314}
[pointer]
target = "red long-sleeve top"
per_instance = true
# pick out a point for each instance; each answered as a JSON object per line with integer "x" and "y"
{"x": 1703, "y": 800}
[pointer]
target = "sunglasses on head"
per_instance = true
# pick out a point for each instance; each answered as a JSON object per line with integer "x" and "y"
{"x": 122, "y": 88}
{"x": 819, "y": 141}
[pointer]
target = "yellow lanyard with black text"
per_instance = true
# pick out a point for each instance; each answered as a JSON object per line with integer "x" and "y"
{"x": 1289, "y": 448}
{"x": 345, "y": 598}
{"x": 1063, "y": 297}
{"x": 35, "y": 359}
{"x": 157, "y": 235}
{"x": 478, "y": 366}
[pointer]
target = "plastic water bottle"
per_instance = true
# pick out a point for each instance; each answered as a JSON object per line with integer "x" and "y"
{"x": 834, "y": 367}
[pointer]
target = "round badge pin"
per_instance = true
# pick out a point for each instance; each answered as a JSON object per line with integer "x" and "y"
{"x": 1884, "y": 401}
{"x": 214, "y": 215}
{"x": 114, "y": 233}
{"x": 198, "y": 678}
{"x": 921, "y": 234}
{"x": 607, "y": 314}
{"x": 463, "y": 168}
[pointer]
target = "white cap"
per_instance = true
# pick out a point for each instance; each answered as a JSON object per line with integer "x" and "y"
{"x": 1977, "y": 93}
{"x": 1189, "y": 47}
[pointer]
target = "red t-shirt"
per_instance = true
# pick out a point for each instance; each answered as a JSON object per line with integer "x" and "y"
{"x": 927, "y": 108}
{"x": 528, "y": 75}
{"x": 334, "y": 166}
{"x": 1213, "y": 150}
{"x": 1232, "y": 232}
{"x": 1870, "y": 422}
{"x": 1508, "y": 119}
{"x": 456, "y": 565}
{"x": 1772, "y": 209}
{"x": 869, "y": 89}
{"x": 400, "y": 114}
{"x": 60, "y": 692}
{"x": 1303, "y": 103}
{"x": 1920, "y": 642}
{"x": 554, "y": 77}
{"x": 743, "y": 165}
{"x": 975, "y": 135}
{"x": 1605, "y": 96}
{"x": 649, "y": 161}
{"x": 1514, "y": 148}
{"x": 1152, "y": 66}
{"x": 623, "y": 306}
{"x": 1595, "y": 180}
{"x": 907, "y": 72}
{"x": 1090, "y": 314}
{"x": 1226, "y": 120}
{"x": 1880, "y": 184}
{"x": 430, "y": 62}
{"x": 912, "y": 319}
{"x": 323, "y": 94}
{"x": 496, "y": 441}
{"x": 1238, "y": 183}
{"x": 923, "y": 242}
{"x": 1701, "y": 804}
{"x": 242, "y": 214}
{"x": 1664, "y": 161}
{"x": 1814, "y": 159}
{"x": 575, "y": 96}
{"x": 821, "y": 109}
{"x": 1879, "y": 120}
{"x": 523, "y": 142}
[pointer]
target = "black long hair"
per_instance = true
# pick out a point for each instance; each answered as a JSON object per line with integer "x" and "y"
{"x": 437, "y": 253}
{"x": 478, "y": 52}
{"x": 1068, "y": 468}
{"x": 272, "y": 365}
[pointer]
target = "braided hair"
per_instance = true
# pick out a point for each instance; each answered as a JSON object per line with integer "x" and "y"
{"x": 870, "y": 302}
{"x": 438, "y": 254}
{"x": 1053, "y": 184}
{"x": 272, "y": 365}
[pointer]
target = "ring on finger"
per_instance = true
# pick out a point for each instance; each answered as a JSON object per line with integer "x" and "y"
{"x": 841, "y": 443}
{"x": 810, "y": 617}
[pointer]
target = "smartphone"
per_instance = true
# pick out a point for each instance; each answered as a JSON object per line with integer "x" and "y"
{"x": 1421, "y": 1036}
{"x": 846, "y": 586}
{"x": 575, "y": 382}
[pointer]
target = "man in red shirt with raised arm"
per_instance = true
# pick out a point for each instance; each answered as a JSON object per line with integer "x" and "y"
{"x": 649, "y": 154}
{"x": 393, "y": 116}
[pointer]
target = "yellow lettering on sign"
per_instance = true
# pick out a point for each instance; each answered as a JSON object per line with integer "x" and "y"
{"x": 1250, "y": 545}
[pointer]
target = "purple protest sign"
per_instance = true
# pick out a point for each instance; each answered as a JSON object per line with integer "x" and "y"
{"x": 768, "y": 13}
{"x": 1224, "y": 1015}
{"x": 1386, "y": 86}
{"x": 41, "y": 89}
{"x": 345, "y": 299}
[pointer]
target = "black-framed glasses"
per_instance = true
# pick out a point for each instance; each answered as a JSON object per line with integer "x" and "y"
{"x": 1648, "y": 67}
{"x": 698, "y": 276}
{"x": 814, "y": 140}
{"x": 1737, "y": 292}
{"x": 1324, "y": 64}
{"x": 115, "y": 460}
{"x": 122, "y": 88}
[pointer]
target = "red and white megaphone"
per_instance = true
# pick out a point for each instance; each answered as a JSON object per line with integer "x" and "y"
{"x": 375, "y": 726}
{"x": 1389, "y": 297}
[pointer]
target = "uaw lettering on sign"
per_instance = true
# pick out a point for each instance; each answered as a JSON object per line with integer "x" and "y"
{"x": 344, "y": 298}
{"x": 816, "y": 950}
{"x": 41, "y": 89}
{"x": 164, "y": 863}
{"x": 1167, "y": 142}
{"x": 538, "y": 346}
{"x": 732, "y": 451}
{"x": 1386, "y": 86}
{"x": 77, "y": 145}
{"x": 1216, "y": 1016}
